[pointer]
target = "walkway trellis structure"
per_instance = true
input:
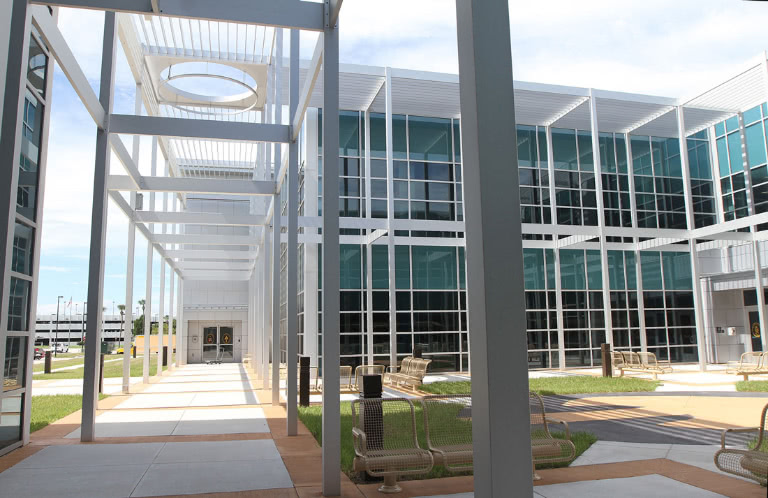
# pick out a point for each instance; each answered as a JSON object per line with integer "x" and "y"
{"x": 254, "y": 154}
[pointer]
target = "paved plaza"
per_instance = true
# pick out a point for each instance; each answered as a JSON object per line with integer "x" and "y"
{"x": 206, "y": 429}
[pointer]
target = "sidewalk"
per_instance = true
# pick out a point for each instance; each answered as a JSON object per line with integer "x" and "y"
{"x": 204, "y": 430}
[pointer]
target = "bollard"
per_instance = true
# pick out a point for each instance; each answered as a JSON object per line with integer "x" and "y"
{"x": 417, "y": 352}
{"x": 605, "y": 357}
{"x": 304, "y": 380}
{"x": 133, "y": 350}
{"x": 101, "y": 373}
{"x": 165, "y": 356}
{"x": 47, "y": 362}
{"x": 372, "y": 412}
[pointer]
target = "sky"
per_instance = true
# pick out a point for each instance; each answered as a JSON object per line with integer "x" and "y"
{"x": 674, "y": 49}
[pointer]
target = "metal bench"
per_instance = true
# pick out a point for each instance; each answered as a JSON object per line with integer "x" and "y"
{"x": 448, "y": 428}
{"x": 413, "y": 375}
{"x": 640, "y": 362}
{"x": 751, "y": 464}
{"x": 754, "y": 363}
{"x": 385, "y": 441}
{"x": 392, "y": 369}
{"x": 544, "y": 447}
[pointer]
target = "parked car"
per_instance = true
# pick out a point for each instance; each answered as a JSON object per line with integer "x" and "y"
{"x": 39, "y": 353}
{"x": 62, "y": 348}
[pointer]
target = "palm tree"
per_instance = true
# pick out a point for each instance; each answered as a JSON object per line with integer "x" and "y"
{"x": 121, "y": 307}
{"x": 142, "y": 302}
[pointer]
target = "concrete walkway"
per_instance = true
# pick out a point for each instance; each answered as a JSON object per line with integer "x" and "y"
{"x": 204, "y": 430}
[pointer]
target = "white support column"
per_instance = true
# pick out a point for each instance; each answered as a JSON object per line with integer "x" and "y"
{"x": 760, "y": 290}
{"x": 253, "y": 312}
{"x": 98, "y": 237}
{"x": 495, "y": 294}
{"x": 181, "y": 354}
{"x": 148, "y": 296}
{"x": 368, "y": 351}
{"x": 390, "y": 217}
{"x": 275, "y": 301}
{"x": 330, "y": 257}
{"x": 292, "y": 318}
{"x": 638, "y": 267}
{"x": 695, "y": 273}
{"x": 265, "y": 289}
{"x": 171, "y": 336}
{"x": 311, "y": 250}
{"x": 604, "y": 268}
{"x": 128, "y": 324}
{"x": 556, "y": 250}
{"x": 161, "y": 307}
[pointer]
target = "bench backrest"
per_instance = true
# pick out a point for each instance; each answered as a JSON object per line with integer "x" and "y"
{"x": 388, "y": 423}
{"x": 405, "y": 364}
{"x": 752, "y": 360}
{"x": 648, "y": 359}
{"x": 617, "y": 358}
{"x": 539, "y": 429}
{"x": 632, "y": 359}
{"x": 345, "y": 375}
{"x": 419, "y": 368}
{"x": 448, "y": 420}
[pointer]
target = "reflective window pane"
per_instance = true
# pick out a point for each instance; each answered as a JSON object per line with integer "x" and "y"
{"x": 18, "y": 305}
{"x": 23, "y": 240}
{"x": 14, "y": 362}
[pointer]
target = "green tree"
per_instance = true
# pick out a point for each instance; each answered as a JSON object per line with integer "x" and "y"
{"x": 138, "y": 325}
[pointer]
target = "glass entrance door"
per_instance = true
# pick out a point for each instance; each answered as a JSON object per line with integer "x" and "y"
{"x": 218, "y": 343}
{"x": 754, "y": 331}
{"x": 225, "y": 344}
{"x": 210, "y": 343}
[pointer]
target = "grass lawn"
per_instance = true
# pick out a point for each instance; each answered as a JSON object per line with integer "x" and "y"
{"x": 59, "y": 364}
{"x": 48, "y": 409}
{"x": 752, "y": 386}
{"x": 311, "y": 417}
{"x": 111, "y": 369}
{"x": 581, "y": 384}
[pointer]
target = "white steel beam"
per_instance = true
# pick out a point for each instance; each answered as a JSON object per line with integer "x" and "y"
{"x": 209, "y": 254}
{"x": 213, "y": 265}
{"x": 285, "y": 13}
{"x": 332, "y": 9}
{"x": 98, "y": 240}
{"x": 186, "y": 217}
{"x": 124, "y": 183}
{"x": 199, "y": 128}
{"x": 496, "y": 301}
{"x": 297, "y": 117}
{"x": 68, "y": 63}
{"x": 216, "y": 275}
{"x": 219, "y": 240}
{"x": 129, "y": 163}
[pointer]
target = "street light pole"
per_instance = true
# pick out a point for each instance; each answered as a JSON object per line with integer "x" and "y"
{"x": 82, "y": 328}
{"x": 58, "y": 299}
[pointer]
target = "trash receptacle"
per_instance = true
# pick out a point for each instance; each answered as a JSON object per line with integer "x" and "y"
{"x": 104, "y": 347}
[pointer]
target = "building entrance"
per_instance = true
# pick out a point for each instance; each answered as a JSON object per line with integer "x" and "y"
{"x": 754, "y": 331}
{"x": 218, "y": 344}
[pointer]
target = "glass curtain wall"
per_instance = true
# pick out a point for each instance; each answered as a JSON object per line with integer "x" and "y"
{"x": 731, "y": 164}
{"x": 20, "y": 332}
{"x": 575, "y": 196}
{"x": 702, "y": 184}
{"x": 755, "y": 125}
{"x": 541, "y": 308}
{"x": 668, "y": 298}
{"x": 658, "y": 182}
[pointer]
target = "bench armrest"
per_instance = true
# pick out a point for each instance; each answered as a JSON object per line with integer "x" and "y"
{"x": 361, "y": 444}
{"x": 726, "y": 431}
{"x": 567, "y": 429}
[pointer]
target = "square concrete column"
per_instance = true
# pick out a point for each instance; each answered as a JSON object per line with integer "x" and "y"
{"x": 500, "y": 414}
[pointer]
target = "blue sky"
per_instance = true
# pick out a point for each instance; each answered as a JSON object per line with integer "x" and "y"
{"x": 676, "y": 49}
